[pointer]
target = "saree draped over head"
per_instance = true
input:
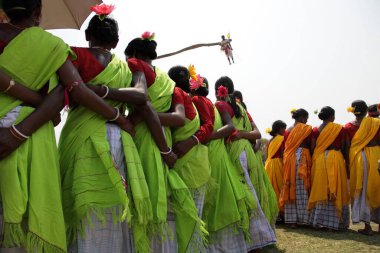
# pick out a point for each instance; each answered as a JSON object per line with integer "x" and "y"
{"x": 366, "y": 132}
{"x": 29, "y": 178}
{"x": 294, "y": 140}
{"x": 328, "y": 173}
{"x": 91, "y": 181}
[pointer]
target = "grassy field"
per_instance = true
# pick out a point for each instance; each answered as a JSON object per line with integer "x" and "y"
{"x": 304, "y": 240}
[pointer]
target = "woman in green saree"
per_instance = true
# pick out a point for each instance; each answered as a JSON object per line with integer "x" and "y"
{"x": 244, "y": 159}
{"x": 103, "y": 178}
{"x": 171, "y": 199}
{"x": 30, "y": 180}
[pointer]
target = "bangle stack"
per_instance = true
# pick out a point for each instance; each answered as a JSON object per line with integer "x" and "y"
{"x": 166, "y": 153}
{"x": 117, "y": 115}
{"x": 107, "y": 91}
{"x": 196, "y": 138}
{"x": 17, "y": 134}
{"x": 11, "y": 84}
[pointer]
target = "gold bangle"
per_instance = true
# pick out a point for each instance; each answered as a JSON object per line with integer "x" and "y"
{"x": 11, "y": 84}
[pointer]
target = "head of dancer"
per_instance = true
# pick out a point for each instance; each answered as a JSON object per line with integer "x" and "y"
{"x": 224, "y": 88}
{"x": 300, "y": 115}
{"x": 102, "y": 32}
{"x": 181, "y": 76}
{"x": 278, "y": 128}
{"x": 142, "y": 48}
{"x": 25, "y": 13}
{"x": 327, "y": 114}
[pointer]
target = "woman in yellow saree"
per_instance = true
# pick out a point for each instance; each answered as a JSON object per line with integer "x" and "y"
{"x": 297, "y": 165}
{"x": 273, "y": 164}
{"x": 363, "y": 137}
{"x": 329, "y": 198}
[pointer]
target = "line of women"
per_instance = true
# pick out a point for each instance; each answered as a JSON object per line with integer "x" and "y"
{"x": 318, "y": 173}
{"x": 179, "y": 174}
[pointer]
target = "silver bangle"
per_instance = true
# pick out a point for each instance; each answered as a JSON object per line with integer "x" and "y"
{"x": 107, "y": 91}
{"x": 11, "y": 84}
{"x": 19, "y": 133}
{"x": 166, "y": 153}
{"x": 117, "y": 115}
{"x": 198, "y": 142}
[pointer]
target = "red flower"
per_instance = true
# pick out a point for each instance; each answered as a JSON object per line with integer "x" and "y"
{"x": 103, "y": 9}
{"x": 195, "y": 84}
{"x": 222, "y": 92}
{"x": 148, "y": 35}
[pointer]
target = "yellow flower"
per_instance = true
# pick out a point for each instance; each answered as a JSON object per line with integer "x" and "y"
{"x": 192, "y": 72}
{"x": 351, "y": 109}
{"x": 268, "y": 130}
{"x": 293, "y": 110}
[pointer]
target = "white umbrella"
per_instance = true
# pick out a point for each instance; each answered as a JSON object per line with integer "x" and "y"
{"x": 63, "y": 14}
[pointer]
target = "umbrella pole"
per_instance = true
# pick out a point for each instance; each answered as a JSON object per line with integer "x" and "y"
{"x": 189, "y": 48}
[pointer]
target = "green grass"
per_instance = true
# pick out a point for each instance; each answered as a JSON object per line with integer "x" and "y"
{"x": 304, "y": 240}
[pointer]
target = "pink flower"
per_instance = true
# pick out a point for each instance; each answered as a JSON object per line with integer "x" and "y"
{"x": 148, "y": 35}
{"x": 195, "y": 84}
{"x": 103, "y": 9}
{"x": 222, "y": 92}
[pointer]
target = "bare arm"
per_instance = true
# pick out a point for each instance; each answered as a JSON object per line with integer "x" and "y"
{"x": 19, "y": 91}
{"x": 135, "y": 95}
{"x": 251, "y": 135}
{"x": 176, "y": 118}
{"x": 226, "y": 130}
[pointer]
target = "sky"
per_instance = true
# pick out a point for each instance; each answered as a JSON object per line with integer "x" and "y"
{"x": 288, "y": 53}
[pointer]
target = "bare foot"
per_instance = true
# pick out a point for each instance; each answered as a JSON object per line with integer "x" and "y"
{"x": 365, "y": 231}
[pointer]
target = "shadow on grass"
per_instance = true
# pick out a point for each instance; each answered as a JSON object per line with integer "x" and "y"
{"x": 349, "y": 234}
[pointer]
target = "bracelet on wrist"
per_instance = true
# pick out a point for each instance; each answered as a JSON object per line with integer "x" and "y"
{"x": 107, "y": 91}
{"x": 196, "y": 138}
{"x": 20, "y": 135}
{"x": 166, "y": 153}
{"x": 11, "y": 84}
{"x": 117, "y": 115}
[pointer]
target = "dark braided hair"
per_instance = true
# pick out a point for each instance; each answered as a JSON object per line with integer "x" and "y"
{"x": 361, "y": 107}
{"x": 228, "y": 83}
{"x": 277, "y": 126}
{"x": 17, "y": 10}
{"x": 238, "y": 95}
{"x": 104, "y": 31}
{"x": 180, "y": 75}
{"x": 300, "y": 113}
{"x": 326, "y": 113}
{"x": 145, "y": 48}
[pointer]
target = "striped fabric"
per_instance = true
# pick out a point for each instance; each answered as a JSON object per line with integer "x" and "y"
{"x": 261, "y": 232}
{"x": 325, "y": 215}
{"x": 228, "y": 240}
{"x": 297, "y": 212}
{"x": 107, "y": 236}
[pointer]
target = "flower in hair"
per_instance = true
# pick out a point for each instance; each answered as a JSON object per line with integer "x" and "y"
{"x": 192, "y": 72}
{"x": 195, "y": 84}
{"x": 293, "y": 110}
{"x": 316, "y": 112}
{"x": 222, "y": 92}
{"x": 268, "y": 130}
{"x": 148, "y": 36}
{"x": 351, "y": 109}
{"x": 103, "y": 10}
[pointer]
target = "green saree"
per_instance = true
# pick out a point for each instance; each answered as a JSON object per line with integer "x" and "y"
{"x": 91, "y": 181}
{"x": 29, "y": 178}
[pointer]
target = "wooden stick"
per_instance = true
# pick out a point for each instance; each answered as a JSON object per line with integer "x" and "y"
{"x": 189, "y": 48}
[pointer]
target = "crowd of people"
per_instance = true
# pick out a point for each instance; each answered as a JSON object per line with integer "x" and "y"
{"x": 179, "y": 173}
{"x": 317, "y": 173}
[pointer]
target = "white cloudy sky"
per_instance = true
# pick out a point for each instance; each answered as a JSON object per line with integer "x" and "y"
{"x": 289, "y": 53}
